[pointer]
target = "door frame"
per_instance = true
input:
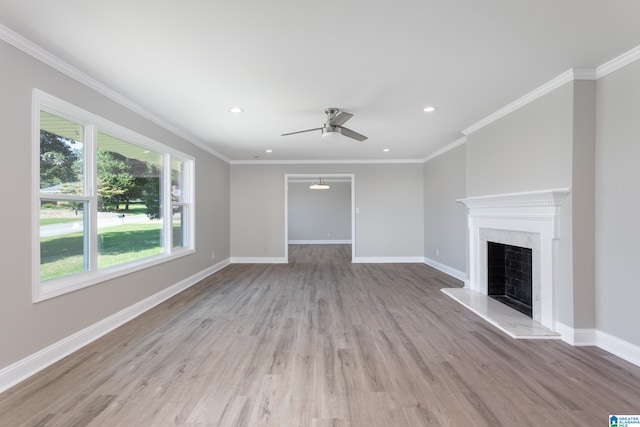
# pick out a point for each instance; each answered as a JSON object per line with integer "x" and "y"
{"x": 293, "y": 176}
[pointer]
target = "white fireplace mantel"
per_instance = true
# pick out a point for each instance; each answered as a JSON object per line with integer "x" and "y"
{"x": 528, "y": 219}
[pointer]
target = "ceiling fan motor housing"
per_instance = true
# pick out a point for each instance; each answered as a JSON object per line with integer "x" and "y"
{"x": 331, "y": 112}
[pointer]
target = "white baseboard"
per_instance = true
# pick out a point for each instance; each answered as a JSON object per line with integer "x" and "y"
{"x": 387, "y": 260}
{"x": 258, "y": 260}
{"x": 586, "y": 337}
{"x": 23, "y": 369}
{"x": 576, "y": 337}
{"x": 460, "y": 275}
{"x": 319, "y": 242}
{"x": 621, "y": 348}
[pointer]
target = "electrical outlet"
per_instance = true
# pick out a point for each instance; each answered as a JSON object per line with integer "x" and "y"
{"x": 437, "y": 252}
{"x": 213, "y": 255}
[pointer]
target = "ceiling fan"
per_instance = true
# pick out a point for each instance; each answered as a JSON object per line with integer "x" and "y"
{"x": 333, "y": 128}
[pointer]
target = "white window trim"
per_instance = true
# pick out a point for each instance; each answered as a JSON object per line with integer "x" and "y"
{"x": 42, "y": 291}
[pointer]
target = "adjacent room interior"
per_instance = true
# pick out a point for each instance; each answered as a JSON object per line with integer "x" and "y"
{"x": 317, "y": 216}
{"x": 418, "y": 213}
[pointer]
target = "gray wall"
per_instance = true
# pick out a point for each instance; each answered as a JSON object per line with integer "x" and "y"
{"x": 26, "y": 328}
{"x": 389, "y": 197}
{"x": 319, "y": 215}
{"x": 527, "y": 150}
{"x": 618, "y": 204}
{"x": 445, "y": 221}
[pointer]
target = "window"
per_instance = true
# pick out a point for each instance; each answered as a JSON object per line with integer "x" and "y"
{"x": 109, "y": 201}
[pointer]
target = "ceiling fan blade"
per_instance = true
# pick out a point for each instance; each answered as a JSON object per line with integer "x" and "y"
{"x": 352, "y": 134}
{"x": 340, "y": 119}
{"x": 301, "y": 131}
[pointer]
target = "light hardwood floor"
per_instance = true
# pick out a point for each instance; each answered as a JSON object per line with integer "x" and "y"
{"x": 322, "y": 342}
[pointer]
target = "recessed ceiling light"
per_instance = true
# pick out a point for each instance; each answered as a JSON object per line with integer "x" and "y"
{"x": 386, "y": 150}
{"x": 269, "y": 151}
{"x": 430, "y": 109}
{"x": 236, "y": 110}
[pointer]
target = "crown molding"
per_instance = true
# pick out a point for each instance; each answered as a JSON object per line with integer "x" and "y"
{"x": 550, "y": 86}
{"x": 47, "y": 58}
{"x": 446, "y": 148}
{"x": 616, "y": 63}
{"x": 42, "y": 55}
{"x": 325, "y": 162}
{"x": 605, "y": 69}
{"x": 584, "y": 74}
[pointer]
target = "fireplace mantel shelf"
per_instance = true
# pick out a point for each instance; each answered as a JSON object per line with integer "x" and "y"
{"x": 545, "y": 198}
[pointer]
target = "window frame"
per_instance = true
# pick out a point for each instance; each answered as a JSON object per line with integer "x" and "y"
{"x": 43, "y": 290}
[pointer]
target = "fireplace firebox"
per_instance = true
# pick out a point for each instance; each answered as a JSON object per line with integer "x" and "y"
{"x": 509, "y": 276}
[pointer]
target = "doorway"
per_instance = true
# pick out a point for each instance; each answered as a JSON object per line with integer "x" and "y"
{"x": 307, "y": 223}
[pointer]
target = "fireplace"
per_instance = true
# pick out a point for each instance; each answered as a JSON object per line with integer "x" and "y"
{"x": 524, "y": 220}
{"x": 509, "y": 276}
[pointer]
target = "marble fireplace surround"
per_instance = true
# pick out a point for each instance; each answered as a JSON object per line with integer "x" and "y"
{"x": 530, "y": 220}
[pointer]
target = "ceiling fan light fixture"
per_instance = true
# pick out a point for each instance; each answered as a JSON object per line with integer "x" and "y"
{"x": 331, "y": 133}
{"x": 320, "y": 185}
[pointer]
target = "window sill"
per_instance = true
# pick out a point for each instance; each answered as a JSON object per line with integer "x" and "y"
{"x": 64, "y": 285}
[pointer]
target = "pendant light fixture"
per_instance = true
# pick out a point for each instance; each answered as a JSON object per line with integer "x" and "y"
{"x": 319, "y": 185}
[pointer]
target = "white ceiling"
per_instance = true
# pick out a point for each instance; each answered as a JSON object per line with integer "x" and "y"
{"x": 284, "y": 61}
